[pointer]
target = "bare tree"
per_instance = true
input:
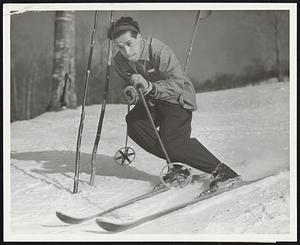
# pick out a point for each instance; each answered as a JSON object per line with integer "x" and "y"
{"x": 271, "y": 27}
{"x": 63, "y": 76}
{"x": 14, "y": 95}
{"x": 29, "y": 83}
{"x": 275, "y": 22}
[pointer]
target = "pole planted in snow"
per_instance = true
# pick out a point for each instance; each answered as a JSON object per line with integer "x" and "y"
{"x": 101, "y": 118}
{"x": 79, "y": 137}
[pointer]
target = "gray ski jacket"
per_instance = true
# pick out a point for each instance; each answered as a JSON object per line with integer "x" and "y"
{"x": 159, "y": 65}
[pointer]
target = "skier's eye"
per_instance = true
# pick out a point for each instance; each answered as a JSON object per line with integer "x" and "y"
{"x": 129, "y": 44}
{"x": 120, "y": 47}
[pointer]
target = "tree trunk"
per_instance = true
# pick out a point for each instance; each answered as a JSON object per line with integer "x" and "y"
{"x": 24, "y": 97}
{"x": 28, "y": 98}
{"x": 63, "y": 77}
{"x": 277, "y": 51}
{"x": 14, "y": 100}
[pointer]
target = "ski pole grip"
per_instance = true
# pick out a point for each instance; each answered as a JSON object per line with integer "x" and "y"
{"x": 139, "y": 86}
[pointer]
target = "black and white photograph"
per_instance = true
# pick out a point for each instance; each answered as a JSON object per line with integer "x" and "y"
{"x": 150, "y": 122}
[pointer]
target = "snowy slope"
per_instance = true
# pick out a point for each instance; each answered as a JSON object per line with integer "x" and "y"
{"x": 247, "y": 128}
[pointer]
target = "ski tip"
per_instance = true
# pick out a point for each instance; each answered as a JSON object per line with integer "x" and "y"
{"x": 111, "y": 227}
{"x": 106, "y": 225}
{"x": 67, "y": 219}
{"x": 61, "y": 216}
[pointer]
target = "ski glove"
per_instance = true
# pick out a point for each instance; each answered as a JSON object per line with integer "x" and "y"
{"x": 139, "y": 80}
{"x": 130, "y": 95}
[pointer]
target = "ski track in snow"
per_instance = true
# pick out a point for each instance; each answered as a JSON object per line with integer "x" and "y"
{"x": 247, "y": 128}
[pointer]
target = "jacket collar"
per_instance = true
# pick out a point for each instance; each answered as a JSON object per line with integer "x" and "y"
{"x": 145, "y": 49}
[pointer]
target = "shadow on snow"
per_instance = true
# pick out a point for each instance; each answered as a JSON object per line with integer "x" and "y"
{"x": 63, "y": 162}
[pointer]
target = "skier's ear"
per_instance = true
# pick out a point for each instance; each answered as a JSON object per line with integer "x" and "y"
{"x": 138, "y": 36}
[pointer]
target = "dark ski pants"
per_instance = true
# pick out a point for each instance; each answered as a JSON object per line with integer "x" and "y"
{"x": 174, "y": 124}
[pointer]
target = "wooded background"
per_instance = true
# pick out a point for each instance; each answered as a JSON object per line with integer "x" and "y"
{"x": 231, "y": 49}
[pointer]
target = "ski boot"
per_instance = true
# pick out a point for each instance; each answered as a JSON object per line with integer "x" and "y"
{"x": 176, "y": 174}
{"x": 223, "y": 175}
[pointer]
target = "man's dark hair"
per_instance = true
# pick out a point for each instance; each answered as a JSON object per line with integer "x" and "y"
{"x": 123, "y": 25}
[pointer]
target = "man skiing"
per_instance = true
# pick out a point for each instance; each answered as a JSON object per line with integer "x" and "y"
{"x": 170, "y": 95}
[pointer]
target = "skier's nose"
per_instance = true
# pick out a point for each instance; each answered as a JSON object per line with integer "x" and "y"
{"x": 127, "y": 50}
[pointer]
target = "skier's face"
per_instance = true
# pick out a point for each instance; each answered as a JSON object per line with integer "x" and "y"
{"x": 129, "y": 46}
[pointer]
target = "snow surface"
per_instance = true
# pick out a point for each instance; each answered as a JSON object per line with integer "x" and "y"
{"x": 247, "y": 128}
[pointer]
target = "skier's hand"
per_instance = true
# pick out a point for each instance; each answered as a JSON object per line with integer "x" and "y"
{"x": 137, "y": 80}
{"x": 130, "y": 95}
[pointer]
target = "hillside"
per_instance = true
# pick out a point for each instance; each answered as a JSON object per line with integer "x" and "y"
{"x": 247, "y": 128}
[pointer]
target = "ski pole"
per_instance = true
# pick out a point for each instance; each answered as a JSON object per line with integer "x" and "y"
{"x": 126, "y": 138}
{"x": 101, "y": 118}
{"x": 77, "y": 159}
{"x": 201, "y": 14}
{"x": 160, "y": 141}
{"x": 138, "y": 88}
{"x": 153, "y": 125}
{"x": 126, "y": 154}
